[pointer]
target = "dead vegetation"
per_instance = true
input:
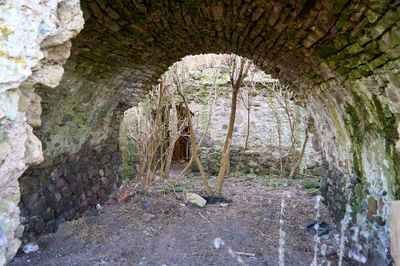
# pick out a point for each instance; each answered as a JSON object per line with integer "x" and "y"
{"x": 156, "y": 125}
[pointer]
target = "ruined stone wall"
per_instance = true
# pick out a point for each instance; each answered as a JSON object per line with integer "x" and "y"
{"x": 263, "y": 144}
{"x": 363, "y": 130}
{"x": 341, "y": 56}
{"x": 34, "y": 45}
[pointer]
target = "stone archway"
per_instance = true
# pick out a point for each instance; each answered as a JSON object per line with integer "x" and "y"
{"x": 342, "y": 58}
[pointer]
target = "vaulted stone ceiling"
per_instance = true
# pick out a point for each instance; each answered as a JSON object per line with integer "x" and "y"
{"x": 303, "y": 40}
{"x": 141, "y": 39}
{"x": 126, "y": 45}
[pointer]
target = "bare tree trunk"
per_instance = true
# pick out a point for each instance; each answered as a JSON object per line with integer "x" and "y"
{"x": 154, "y": 140}
{"x": 142, "y": 167}
{"x": 283, "y": 96}
{"x": 225, "y": 151}
{"x": 279, "y": 130}
{"x": 228, "y": 165}
{"x": 214, "y": 90}
{"x": 198, "y": 145}
{"x": 193, "y": 143}
{"x": 248, "y": 107}
{"x": 280, "y": 150}
{"x": 292, "y": 146}
{"x": 174, "y": 137}
{"x": 303, "y": 148}
{"x": 236, "y": 81}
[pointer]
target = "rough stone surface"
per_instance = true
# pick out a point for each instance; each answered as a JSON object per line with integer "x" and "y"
{"x": 66, "y": 189}
{"x": 395, "y": 231}
{"x": 25, "y": 26}
{"x": 196, "y": 199}
{"x": 341, "y": 57}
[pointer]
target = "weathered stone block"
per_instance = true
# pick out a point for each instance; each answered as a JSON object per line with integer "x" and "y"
{"x": 390, "y": 17}
{"x": 38, "y": 207}
{"x": 61, "y": 183}
{"x": 30, "y": 200}
{"x": 66, "y": 192}
{"x": 381, "y": 60}
{"x": 395, "y": 231}
{"x": 372, "y": 16}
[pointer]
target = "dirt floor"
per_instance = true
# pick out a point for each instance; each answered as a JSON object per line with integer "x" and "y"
{"x": 162, "y": 229}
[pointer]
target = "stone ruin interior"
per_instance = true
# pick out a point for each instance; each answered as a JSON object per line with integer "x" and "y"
{"x": 70, "y": 69}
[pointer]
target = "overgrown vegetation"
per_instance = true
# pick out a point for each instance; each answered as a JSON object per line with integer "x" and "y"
{"x": 161, "y": 122}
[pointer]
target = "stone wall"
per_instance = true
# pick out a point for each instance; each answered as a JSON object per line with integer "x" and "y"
{"x": 82, "y": 162}
{"x": 365, "y": 135}
{"x": 66, "y": 189}
{"x": 34, "y": 46}
{"x": 263, "y": 140}
{"x": 342, "y": 58}
{"x": 361, "y": 213}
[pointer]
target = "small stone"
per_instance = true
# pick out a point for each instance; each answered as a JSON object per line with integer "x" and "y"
{"x": 140, "y": 192}
{"x": 253, "y": 259}
{"x": 370, "y": 217}
{"x": 31, "y": 199}
{"x": 228, "y": 200}
{"x": 149, "y": 217}
{"x": 31, "y": 247}
{"x": 101, "y": 172}
{"x": 95, "y": 188}
{"x": 196, "y": 199}
{"x": 61, "y": 183}
{"x": 39, "y": 207}
{"x": 107, "y": 171}
{"x": 57, "y": 196}
{"x": 380, "y": 221}
{"x": 66, "y": 192}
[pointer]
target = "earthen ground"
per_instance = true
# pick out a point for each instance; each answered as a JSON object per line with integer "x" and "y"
{"x": 162, "y": 229}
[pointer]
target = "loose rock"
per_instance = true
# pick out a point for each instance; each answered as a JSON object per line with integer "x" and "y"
{"x": 196, "y": 199}
{"x": 31, "y": 247}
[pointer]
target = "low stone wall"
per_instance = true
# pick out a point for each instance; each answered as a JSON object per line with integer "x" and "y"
{"x": 252, "y": 162}
{"x": 69, "y": 187}
{"x": 263, "y": 138}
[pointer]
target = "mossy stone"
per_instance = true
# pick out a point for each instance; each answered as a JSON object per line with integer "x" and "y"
{"x": 372, "y": 16}
{"x": 310, "y": 183}
{"x": 313, "y": 191}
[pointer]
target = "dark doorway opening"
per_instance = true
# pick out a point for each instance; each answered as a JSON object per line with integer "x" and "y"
{"x": 182, "y": 150}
